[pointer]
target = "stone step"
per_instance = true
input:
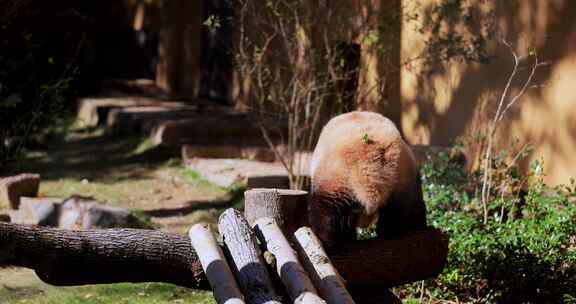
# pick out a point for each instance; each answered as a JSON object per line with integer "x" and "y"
{"x": 258, "y": 153}
{"x": 170, "y": 122}
{"x": 227, "y": 171}
{"x": 225, "y": 128}
{"x": 14, "y": 187}
{"x": 93, "y": 111}
{"x": 142, "y": 120}
{"x": 139, "y": 87}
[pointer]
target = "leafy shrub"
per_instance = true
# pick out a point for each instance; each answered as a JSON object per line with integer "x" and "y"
{"x": 525, "y": 254}
{"x": 38, "y": 69}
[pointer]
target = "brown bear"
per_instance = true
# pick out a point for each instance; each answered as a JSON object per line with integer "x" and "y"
{"x": 363, "y": 172}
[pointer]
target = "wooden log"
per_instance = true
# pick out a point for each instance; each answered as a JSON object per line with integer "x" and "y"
{"x": 298, "y": 285}
{"x": 70, "y": 258}
{"x": 66, "y": 258}
{"x": 226, "y": 291}
{"x": 317, "y": 262}
{"x": 374, "y": 263}
{"x": 249, "y": 267}
{"x": 286, "y": 207}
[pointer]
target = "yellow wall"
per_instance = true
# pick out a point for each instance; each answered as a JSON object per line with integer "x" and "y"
{"x": 448, "y": 104}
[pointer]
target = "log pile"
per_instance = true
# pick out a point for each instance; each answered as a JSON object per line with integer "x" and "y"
{"x": 266, "y": 257}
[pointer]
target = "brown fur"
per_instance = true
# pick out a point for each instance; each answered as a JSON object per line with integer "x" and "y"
{"x": 363, "y": 170}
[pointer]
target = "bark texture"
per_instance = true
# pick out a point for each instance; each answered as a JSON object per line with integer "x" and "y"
{"x": 215, "y": 266}
{"x": 67, "y": 258}
{"x": 298, "y": 284}
{"x": 286, "y": 207}
{"x": 326, "y": 277}
{"x": 249, "y": 267}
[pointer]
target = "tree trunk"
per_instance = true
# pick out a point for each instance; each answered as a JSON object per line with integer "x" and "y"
{"x": 62, "y": 257}
{"x": 65, "y": 257}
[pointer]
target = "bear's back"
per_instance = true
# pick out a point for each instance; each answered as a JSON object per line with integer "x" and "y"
{"x": 350, "y": 132}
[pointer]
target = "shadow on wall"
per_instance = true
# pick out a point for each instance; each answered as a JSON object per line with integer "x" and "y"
{"x": 178, "y": 25}
{"x": 443, "y": 103}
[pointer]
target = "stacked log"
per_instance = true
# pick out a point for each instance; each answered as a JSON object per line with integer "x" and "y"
{"x": 236, "y": 271}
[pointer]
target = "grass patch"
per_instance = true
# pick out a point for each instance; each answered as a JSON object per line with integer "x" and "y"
{"x": 235, "y": 193}
{"x": 196, "y": 179}
{"x": 142, "y": 293}
{"x": 144, "y": 144}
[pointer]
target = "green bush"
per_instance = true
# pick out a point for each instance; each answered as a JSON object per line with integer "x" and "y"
{"x": 525, "y": 254}
{"x": 38, "y": 71}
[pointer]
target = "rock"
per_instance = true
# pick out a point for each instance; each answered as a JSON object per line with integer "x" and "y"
{"x": 93, "y": 111}
{"x": 72, "y": 212}
{"x": 13, "y": 187}
{"x": 78, "y": 212}
{"x": 102, "y": 216}
{"x": 229, "y": 172}
{"x": 144, "y": 119}
{"x": 37, "y": 211}
{"x": 4, "y": 218}
{"x": 219, "y": 128}
{"x": 210, "y": 151}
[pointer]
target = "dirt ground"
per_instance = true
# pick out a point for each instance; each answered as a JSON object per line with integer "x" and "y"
{"x": 125, "y": 172}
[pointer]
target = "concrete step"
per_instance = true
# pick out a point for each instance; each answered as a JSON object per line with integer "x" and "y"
{"x": 258, "y": 153}
{"x": 93, "y": 111}
{"x": 231, "y": 128}
{"x": 171, "y": 122}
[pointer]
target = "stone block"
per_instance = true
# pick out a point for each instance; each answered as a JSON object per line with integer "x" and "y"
{"x": 37, "y": 211}
{"x": 14, "y": 187}
{"x": 228, "y": 172}
{"x": 258, "y": 153}
{"x": 78, "y": 212}
{"x": 224, "y": 128}
{"x": 94, "y": 111}
{"x": 103, "y": 216}
{"x": 210, "y": 151}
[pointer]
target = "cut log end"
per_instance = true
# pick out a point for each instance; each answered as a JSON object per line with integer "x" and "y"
{"x": 287, "y": 207}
